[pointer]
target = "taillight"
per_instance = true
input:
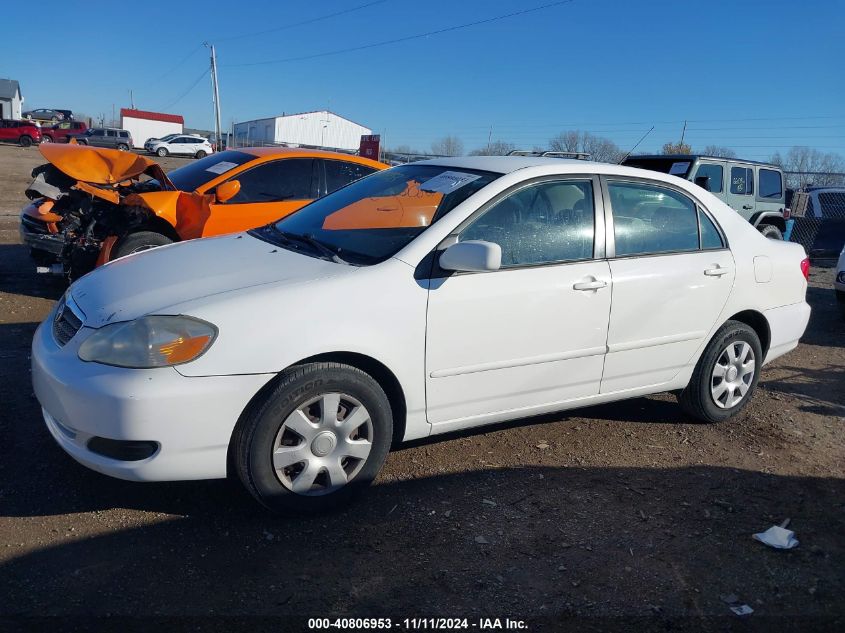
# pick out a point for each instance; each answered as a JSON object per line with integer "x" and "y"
{"x": 805, "y": 268}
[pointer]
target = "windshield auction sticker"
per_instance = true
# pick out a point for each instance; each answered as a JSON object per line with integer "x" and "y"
{"x": 448, "y": 181}
{"x": 222, "y": 167}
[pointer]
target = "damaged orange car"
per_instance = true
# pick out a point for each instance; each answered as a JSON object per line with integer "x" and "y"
{"x": 91, "y": 205}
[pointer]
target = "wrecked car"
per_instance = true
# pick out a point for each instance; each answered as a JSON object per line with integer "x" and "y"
{"x": 92, "y": 205}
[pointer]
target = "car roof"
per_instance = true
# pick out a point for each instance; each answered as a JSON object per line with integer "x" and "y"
{"x": 507, "y": 164}
{"x": 697, "y": 156}
{"x": 293, "y": 152}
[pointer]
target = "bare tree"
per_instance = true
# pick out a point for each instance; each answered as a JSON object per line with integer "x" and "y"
{"x": 448, "y": 146}
{"x": 404, "y": 149}
{"x": 812, "y": 167}
{"x": 600, "y": 149}
{"x": 496, "y": 148}
{"x": 719, "y": 151}
{"x": 677, "y": 148}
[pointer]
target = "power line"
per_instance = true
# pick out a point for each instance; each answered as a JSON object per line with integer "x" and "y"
{"x": 407, "y": 38}
{"x": 182, "y": 61}
{"x": 185, "y": 94}
{"x": 303, "y": 23}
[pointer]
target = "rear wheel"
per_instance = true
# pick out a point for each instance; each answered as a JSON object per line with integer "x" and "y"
{"x": 140, "y": 241}
{"x": 25, "y": 141}
{"x": 315, "y": 440}
{"x": 161, "y": 152}
{"x": 771, "y": 231}
{"x": 46, "y": 139}
{"x": 726, "y": 374}
{"x": 201, "y": 154}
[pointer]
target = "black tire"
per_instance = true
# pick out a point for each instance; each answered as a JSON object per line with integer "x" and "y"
{"x": 258, "y": 431}
{"x": 696, "y": 399}
{"x": 46, "y": 139}
{"x": 123, "y": 147}
{"x": 771, "y": 231}
{"x": 162, "y": 152}
{"x": 25, "y": 141}
{"x": 200, "y": 154}
{"x": 140, "y": 241}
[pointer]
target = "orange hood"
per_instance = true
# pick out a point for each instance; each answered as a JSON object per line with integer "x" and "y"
{"x": 99, "y": 166}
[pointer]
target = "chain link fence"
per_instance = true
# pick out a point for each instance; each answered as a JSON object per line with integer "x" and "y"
{"x": 819, "y": 215}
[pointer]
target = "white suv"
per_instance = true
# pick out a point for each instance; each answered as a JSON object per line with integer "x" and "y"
{"x": 195, "y": 146}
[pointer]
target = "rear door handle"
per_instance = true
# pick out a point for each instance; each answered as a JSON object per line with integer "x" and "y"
{"x": 716, "y": 272}
{"x": 590, "y": 285}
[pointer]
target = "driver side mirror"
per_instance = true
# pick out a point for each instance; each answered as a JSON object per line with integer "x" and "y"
{"x": 475, "y": 256}
{"x": 227, "y": 190}
{"x": 703, "y": 182}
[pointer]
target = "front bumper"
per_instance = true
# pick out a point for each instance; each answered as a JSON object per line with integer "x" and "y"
{"x": 35, "y": 234}
{"x": 190, "y": 419}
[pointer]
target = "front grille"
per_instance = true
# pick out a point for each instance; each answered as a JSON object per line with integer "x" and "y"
{"x": 65, "y": 323}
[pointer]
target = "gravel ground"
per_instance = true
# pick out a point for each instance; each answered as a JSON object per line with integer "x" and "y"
{"x": 626, "y": 509}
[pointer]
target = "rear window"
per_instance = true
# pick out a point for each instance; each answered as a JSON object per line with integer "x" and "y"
{"x": 669, "y": 165}
{"x": 832, "y": 204}
{"x": 124, "y": 135}
{"x": 771, "y": 184}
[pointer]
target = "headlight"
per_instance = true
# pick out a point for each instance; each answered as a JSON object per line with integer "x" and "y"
{"x": 151, "y": 341}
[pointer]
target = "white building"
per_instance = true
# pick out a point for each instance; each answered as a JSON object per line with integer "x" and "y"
{"x": 143, "y": 125}
{"x": 317, "y": 129}
{"x": 11, "y": 100}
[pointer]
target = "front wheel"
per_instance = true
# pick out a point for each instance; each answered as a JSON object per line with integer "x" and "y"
{"x": 315, "y": 440}
{"x": 726, "y": 374}
{"x": 46, "y": 139}
{"x": 122, "y": 147}
{"x": 161, "y": 152}
{"x": 771, "y": 231}
{"x": 140, "y": 241}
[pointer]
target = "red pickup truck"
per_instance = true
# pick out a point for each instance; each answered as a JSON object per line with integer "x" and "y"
{"x": 59, "y": 132}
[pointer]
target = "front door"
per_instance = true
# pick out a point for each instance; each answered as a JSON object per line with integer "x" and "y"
{"x": 533, "y": 333}
{"x": 269, "y": 192}
{"x": 672, "y": 275}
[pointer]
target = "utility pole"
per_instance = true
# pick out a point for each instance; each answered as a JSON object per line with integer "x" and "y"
{"x": 215, "y": 96}
{"x": 131, "y": 99}
{"x": 683, "y": 132}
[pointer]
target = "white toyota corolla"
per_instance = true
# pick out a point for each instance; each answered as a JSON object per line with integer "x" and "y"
{"x": 431, "y": 297}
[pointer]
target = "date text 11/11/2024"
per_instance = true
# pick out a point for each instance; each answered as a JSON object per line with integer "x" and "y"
{"x": 415, "y": 624}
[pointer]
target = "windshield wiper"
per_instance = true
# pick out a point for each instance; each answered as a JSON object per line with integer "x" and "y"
{"x": 314, "y": 243}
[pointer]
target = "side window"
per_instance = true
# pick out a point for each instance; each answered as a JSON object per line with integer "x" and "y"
{"x": 742, "y": 180}
{"x": 543, "y": 223}
{"x": 276, "y": 181}
{"x": 97, "y": 133}
{"x": 771, "y": 184}
{"x": 124, "y": 134}
{"x": 710, "y": 237}
{"x": 832, "y": 204}
{"x": 110, "y": 133}
{"x": 714, "y": 173}
{"x": 340, "y": 173}
{"x": 652, "y": 219}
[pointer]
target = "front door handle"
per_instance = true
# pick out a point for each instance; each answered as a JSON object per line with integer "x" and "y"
{"x": 747, "y": 207}
{"x": 589, "y": 285}
{"x": 716, "y": 272}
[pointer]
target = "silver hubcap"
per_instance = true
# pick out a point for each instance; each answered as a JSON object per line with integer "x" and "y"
{"x": 732, "y": 375}
{"x": 323, "y": 445}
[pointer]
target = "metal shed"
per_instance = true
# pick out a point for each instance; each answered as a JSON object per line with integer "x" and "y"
{"x": 11, "y": 99}
{"x": 322, "y": 128}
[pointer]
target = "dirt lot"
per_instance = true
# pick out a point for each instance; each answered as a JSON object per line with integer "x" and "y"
{"x": 624, "y": 510}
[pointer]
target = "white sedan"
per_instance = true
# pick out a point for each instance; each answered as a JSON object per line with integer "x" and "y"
{"x": 184, "y": 145}
{"x": 427, "y": 298}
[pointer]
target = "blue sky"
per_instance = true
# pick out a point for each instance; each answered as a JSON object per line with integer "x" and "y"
{"x": 610, "y": 67}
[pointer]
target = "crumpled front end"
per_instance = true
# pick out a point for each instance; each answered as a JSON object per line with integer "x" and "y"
{"x": 78, "y": 202}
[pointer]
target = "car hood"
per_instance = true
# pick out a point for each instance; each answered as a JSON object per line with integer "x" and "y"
{"x": 100, "y": 166}
{"x": 152, "y": 281}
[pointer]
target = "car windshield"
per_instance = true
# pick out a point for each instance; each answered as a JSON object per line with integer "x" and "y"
{"x": 195, "y": 174}
{"x": 373, "y": 218}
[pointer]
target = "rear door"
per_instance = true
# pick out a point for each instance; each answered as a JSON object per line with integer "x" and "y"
{"x": 672, "y": 275}
{"x": 740, "y": 194}
{"x": 269, "y": 191}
